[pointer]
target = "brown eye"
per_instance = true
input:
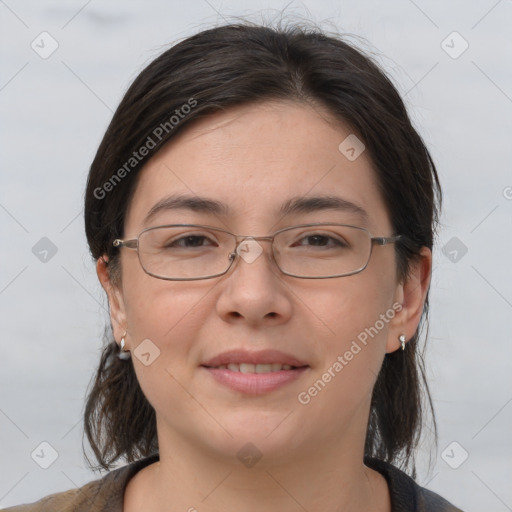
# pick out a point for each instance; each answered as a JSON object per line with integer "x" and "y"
{"x": 189, "y": 241}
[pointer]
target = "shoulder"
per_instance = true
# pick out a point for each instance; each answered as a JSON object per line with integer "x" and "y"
{"x": 104, "y": 494}
{"x": 406, "y": 494}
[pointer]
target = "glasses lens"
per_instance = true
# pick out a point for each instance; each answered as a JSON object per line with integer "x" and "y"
{"x": 326, "y": 250}
{"x": 185, "y": 252}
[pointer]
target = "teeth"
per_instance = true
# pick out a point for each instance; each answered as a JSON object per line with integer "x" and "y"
{"x": 263, "y": 368}
{"x": 254, "y": 368}
{"x": 247, "y": 368}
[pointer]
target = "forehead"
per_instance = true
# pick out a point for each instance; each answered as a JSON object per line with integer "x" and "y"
{"x": 257, "y": 160}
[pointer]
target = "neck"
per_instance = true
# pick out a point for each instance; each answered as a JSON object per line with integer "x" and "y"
{"x": 331, "y": 477}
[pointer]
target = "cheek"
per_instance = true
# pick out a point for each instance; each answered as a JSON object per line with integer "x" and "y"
{"x": 164, "y": 322}
{"x": 161, "y": 315}
{"x": 157, "y": 309}
{"x": 353, "y": 306}
{"x": 170, "y": 314}
{"x": 355, "y": 322}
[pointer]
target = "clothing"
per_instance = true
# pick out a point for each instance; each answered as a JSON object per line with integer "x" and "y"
{"x": 106, "y": 494}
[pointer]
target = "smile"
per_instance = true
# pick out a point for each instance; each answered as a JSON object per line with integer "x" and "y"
{"x": 255, "y": 368}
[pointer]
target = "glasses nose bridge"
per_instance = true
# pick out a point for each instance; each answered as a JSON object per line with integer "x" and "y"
{"x": 240, "y": 239}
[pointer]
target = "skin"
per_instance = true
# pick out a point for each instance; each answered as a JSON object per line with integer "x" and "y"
{"x": 253, "y": 158}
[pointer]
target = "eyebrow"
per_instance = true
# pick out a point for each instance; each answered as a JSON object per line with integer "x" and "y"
{"x": 297, "y": 204}
{"x": 318, "y": 203}
{"x": 194, "y": 203}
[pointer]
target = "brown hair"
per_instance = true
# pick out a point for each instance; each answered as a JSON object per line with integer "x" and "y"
{"x": 240, "y": 64}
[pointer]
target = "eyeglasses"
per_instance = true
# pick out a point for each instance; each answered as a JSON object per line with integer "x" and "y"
{"x": 186, "y": 252}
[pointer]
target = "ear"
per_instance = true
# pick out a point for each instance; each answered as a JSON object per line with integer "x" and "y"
{"x": 411, "y": 294}
{"x": 115, "y": 298}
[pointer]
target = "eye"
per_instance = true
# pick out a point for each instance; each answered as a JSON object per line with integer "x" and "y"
{"x": 321, "y": 240}
{"x": 190, "y": 241}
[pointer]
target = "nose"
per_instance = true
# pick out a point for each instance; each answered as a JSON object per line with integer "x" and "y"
{"x": 253, "y": 290}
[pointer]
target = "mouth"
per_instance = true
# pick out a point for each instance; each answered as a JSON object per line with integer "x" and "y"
{"x": 263, "y": 361}
{"x": 255, "y": 368}
{"x": 255, "y": 373}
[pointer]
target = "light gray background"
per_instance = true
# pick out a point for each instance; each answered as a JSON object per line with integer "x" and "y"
{"x": 54, "y": 112}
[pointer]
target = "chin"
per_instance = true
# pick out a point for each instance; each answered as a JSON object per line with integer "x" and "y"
{"x": 269, "y": 435}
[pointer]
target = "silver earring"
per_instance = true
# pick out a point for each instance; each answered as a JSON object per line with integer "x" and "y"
{"x": 402, "y": 340}
{"x": 123, "y": 354}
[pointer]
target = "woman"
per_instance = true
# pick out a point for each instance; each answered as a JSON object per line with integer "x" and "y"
{"x": 262, "y": 215}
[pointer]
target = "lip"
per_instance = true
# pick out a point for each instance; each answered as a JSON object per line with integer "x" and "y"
{"x": 255, "y": 383}
{"x": 260, "y": 357}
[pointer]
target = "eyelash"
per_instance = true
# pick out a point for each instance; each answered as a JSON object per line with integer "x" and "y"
{"x": 337, "y": 242}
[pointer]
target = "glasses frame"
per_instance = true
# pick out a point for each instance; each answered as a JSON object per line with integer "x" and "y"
{"x": 133, "y": 243}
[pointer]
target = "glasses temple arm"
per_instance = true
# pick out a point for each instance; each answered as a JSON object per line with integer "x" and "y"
{"x": 130, "y": 244}
{"x": 383, "y": 240}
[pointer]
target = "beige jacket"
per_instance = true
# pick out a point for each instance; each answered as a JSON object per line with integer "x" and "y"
{"x": 106, "y": 494}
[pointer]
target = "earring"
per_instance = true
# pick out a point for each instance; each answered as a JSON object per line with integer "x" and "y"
{"x": 402, "y": 340}
{"x": 123, "y": 354}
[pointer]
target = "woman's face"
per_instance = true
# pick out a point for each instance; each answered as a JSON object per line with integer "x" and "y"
{"x": 253, "y": 160}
